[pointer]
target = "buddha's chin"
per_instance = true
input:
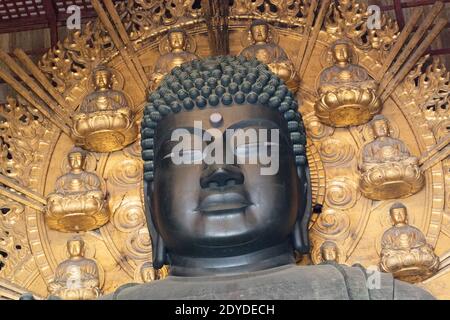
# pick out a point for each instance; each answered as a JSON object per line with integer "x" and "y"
{"x": 230, "y": 228}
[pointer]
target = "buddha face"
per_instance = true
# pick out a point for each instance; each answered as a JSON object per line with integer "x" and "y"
{"x": 380, "y": 128}
{"x": 76, "y": 160}
{"x": 398, "y": 215}
{"x": 75, "y": 247}
{"x": 177, "y": 40}
{"x": 341, "y": 52}
{"x": 103, "y": 79}
{"x": 228, "y": 209}
{"x": 329, "y": 251}
{"x": 260, "y": 32}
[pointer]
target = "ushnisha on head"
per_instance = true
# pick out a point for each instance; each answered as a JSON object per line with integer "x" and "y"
{"x": 223, "y": 217}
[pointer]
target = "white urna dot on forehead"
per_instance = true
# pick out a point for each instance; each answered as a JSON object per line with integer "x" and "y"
{"x": 215, "y": 118}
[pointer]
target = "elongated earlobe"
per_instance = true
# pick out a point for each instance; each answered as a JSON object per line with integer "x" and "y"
{"x": 158, "y": 249}
{"x": 300, "y": 237}
{"x": 159, "y": 253}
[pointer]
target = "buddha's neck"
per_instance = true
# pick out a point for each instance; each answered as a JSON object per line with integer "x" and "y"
{"x": 76, "y": 170}
{"x": 400, "y": 224}
{"x": 272, "y": 257}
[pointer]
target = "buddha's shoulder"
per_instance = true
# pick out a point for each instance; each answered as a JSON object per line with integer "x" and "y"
{"x": 328, "y": 281}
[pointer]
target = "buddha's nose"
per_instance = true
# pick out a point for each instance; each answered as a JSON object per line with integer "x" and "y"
{"x": 220, "y": 176}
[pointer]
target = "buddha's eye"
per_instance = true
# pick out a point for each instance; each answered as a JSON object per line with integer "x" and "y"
{"x": 188, "y": 156}
{"x": 252, "y": 149}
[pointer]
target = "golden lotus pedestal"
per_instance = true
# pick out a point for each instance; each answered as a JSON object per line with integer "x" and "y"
{"x": 413, "y": 274}
{"x": 104, "y": 131}
{"x": 391, "y": 181}
{"x": 76, "y": 222}
{"x": 105, "y": 141}
{"x": 347, "y": 107}
{"x": 75, "y": 213}
{"x": 77, "y": 294}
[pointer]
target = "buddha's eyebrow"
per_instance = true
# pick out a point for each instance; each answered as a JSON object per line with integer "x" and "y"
{"x": 168, "y": 133}
{"x": 269, "y": 124}
{"x": 167, "y": 136}
{"x": 260, "y": 124}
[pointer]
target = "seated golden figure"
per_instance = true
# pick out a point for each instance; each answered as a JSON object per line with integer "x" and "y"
{"x": 388, "y": 170}
{"x": 271, "y": 54}
{"x": 149, "y": 274}
{"x": 404, "y": 250}
{"x": 76, "y": 278}
{"x": 104, "y": 122}
{"x": 79, "y": 200}
{"x": 347, "y": 94}
{"x": 177, "y": 55}
{"x": 329, "y": 251}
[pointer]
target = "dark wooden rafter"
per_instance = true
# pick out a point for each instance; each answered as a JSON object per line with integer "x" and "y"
{"x": 399, "y": 5}
{"x": 217, "y": 12}
{"x": 26, "y": 15}
{"x": 52, "y": 21}
{"x": 399, "y": 13}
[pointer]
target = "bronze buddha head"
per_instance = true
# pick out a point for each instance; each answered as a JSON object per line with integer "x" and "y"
{"x": 224, "y": 212}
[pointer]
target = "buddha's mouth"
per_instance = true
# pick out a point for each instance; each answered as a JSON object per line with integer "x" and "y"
{"x": 219, "y": 203}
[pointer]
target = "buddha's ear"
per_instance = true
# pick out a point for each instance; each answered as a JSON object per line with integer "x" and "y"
{"x": 300, "y": 234}
{"x": 158, "y": 248}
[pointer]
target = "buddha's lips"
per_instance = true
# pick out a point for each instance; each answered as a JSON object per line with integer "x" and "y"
{"x": 223, "y": 203}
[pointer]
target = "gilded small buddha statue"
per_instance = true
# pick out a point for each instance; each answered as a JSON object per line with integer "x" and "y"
{"x": 388, "y": 170}
{"x": 347, "y": 94}
{"x": 76, "y": 278}
{"x": 271, "y": 54}
{"x": 404, "y": 250}
{"x": 104, "y": 122}
{"x": 148, "y": 273}
{"x": 79, "y": 200}
{"x": 177, "y": 55}
{"x": 329, "y": 251}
